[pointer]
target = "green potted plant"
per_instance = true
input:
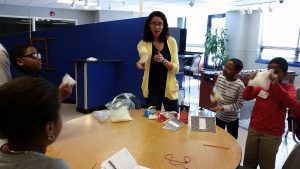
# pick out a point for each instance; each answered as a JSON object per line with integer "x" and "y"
{"x": 215, "y": 47}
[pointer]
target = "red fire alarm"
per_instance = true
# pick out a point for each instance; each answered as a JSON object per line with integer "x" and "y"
{"x": 52, "y": 13}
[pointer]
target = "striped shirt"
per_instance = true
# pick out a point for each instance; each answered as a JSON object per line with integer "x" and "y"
{"x": 232, "y": 92}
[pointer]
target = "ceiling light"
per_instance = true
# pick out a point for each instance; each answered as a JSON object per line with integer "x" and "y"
{"x": 98, "y": 5}
{"x": 123, "y": 2}
{"x": 73, "y": 4}
{"x": 249, "y": 11}
{"x": 270, "y": 7}
{"x": 86, "y": 4}
{"x": 260, "y": 9}
{"x": 253, "y": 6}
{"x": 242, "y": 11}
{"x": 192, "y": 3}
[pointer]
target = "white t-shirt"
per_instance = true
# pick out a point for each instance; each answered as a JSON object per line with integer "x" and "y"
{"x": 30, "y": 160}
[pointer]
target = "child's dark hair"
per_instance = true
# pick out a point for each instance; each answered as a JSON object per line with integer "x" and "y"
{"x": 27, "y": 105}
{"x": 148, "y": 36}
{"x": 238, "y": 64}
{"x": 281, "y": 62}
{"x": 17, "y": 52}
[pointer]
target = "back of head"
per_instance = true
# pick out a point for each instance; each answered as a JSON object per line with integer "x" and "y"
{"x": 17, "y": 52}
{"x": 148, "y": 36}
{"x": 27, "y": 105}
{"x": 281, "y": 62}
{"x": 238, "y": 64}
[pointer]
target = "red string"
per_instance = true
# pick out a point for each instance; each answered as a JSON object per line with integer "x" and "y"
{"x": 184, "y": 163}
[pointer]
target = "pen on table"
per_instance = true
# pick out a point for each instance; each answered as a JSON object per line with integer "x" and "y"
{"x": 112, "y": 164}
{"x": 209, "y": 145}
{"x": 94, "y": 165}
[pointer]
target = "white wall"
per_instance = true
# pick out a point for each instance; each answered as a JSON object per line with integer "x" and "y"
{"x": 82, "y": 17}
{"x": 109, "y": 15}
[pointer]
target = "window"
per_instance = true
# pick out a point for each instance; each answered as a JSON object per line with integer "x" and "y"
{"x": 11, "y": 25}
{"x": 213, "y": 22}
{"x": 196, "y": 28}
{"x": 281, "y": 32}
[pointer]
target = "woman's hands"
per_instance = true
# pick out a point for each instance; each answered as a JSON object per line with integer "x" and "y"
{"x": 159, "y": 57}
{"x": 142, "y": 62}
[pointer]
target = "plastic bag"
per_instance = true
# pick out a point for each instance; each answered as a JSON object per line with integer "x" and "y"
{"x": 102, "y": 115}
{"x": 216, "y": 96}
{"x": 134, "y": 101}
{"x": 119, "y": 110}
{"x": 67, "y": 79}
{"x": 261, "y": 79}
{"x": 120, "y": 114}
{"x": 117, "y": 103}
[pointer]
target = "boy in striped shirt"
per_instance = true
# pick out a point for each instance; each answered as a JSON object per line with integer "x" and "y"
{"x": 231, "y": 89}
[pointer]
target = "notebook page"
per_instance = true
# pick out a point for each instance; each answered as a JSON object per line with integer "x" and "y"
{"x": 123, "y": 160}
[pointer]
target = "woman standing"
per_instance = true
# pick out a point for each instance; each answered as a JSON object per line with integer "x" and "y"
{"x": 159, "y": 59}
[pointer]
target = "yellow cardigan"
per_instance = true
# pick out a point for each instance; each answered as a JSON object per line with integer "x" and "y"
{"x": 171, "y": 91}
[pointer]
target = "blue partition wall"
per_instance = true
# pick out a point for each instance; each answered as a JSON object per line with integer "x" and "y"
{"x": 106, "y": 40}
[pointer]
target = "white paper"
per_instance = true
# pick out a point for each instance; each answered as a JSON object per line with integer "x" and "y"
{"x": 261, "y": 79}
{"x": 174, "y": 124}
{"x": 202, "y": 123}
{"x": 121, "y": 160}
{"x": 67, "y": 79}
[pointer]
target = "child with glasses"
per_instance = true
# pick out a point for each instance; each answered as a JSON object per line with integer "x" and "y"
{"x": 27, "y": 60}
{"x": 30, "y": 121}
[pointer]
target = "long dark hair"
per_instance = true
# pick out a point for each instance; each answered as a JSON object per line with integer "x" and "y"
{"x": 148, "y": 36}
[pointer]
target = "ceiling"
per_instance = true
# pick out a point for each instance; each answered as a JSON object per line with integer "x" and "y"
{"x": 134, "y": 5}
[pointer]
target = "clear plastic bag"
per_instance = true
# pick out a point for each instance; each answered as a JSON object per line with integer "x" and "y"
{"x": 261, "y": 80}
{"x": 119, "y": 110}
{"x": 118, "y": 103}
{"x": 216, "y": 96}
{"x": 102, "y": 115}
{"x": 134, "y": 101}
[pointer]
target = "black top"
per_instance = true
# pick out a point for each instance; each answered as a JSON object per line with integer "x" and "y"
{"x": 20, "y": 73}
{"x": 158, "y": 72}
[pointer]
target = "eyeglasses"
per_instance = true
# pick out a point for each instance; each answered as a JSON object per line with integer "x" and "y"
{"x": 35, "y": 55}
{"x": 159, "y": 24}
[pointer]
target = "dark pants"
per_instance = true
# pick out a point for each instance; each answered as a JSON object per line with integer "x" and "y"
{"x": 232, "y": 127}
{"x": 169, "y": 105}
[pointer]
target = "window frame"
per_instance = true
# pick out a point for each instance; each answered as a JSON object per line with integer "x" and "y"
{"x": 209, "y": 25}
{"x": 295, "y": 49}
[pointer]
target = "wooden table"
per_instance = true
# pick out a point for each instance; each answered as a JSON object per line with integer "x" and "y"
{"x": 86, "y": 142}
